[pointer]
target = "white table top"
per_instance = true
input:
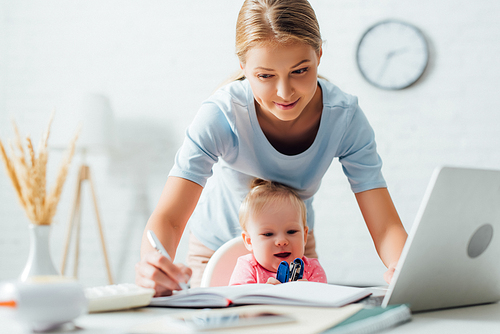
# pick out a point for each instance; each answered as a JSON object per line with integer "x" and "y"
{"x": 474, "y": 319}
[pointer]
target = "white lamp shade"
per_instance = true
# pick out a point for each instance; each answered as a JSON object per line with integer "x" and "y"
{"x": 98, "y": 132}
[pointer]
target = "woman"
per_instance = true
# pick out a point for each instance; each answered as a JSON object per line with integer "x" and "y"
{"x": 278, "y": 121}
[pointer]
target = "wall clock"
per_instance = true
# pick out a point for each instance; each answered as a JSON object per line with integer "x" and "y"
{"x": 392, "y": 54}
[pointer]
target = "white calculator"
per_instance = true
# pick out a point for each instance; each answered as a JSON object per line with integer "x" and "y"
{"x": 117, "y": 297}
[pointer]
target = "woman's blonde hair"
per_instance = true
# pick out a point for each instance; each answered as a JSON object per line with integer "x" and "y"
{"x": 275, "y": 21}
{"x": 264, "y": 194}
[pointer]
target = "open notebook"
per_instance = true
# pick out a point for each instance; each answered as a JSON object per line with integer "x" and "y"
{"x": 299, "y": 293}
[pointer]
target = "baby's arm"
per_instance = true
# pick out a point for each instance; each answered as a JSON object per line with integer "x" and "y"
{"x": 243, "y": 273}
{"x": 314, "y": 272}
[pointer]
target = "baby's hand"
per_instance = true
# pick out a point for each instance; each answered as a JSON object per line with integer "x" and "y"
{"x": 273, "y": 281}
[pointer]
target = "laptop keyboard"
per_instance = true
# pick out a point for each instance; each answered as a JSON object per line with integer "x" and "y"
{"x": 372, "y": 301}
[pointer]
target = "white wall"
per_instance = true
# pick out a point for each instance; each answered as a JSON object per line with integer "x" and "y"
{"x": 158, "y": 60}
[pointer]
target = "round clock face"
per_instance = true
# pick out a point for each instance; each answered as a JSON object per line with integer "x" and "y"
{"x": 392, "y": 54}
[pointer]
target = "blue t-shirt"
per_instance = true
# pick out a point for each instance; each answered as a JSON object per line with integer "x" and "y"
{"x": 225, "y": 149}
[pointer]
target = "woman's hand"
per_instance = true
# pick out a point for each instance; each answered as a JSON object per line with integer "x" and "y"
{"x": 157, "y": 272}
{"x": 168, "y": 220}
{"x": 389, "y": 273}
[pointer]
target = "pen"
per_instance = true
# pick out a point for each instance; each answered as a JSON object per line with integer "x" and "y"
{"x": 153, "y": 240}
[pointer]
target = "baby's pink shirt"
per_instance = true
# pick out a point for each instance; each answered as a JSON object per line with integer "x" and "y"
{"x": 248, "y": 271}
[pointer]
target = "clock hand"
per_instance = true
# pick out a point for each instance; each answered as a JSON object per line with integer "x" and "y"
{"x": 384, "y": 65}
{"x": 397, "y": 51}
{"x": 388, "y": 58}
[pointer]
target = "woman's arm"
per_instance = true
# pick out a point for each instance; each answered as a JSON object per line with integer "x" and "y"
{"x": 384, "y": 225}
{"x": 168, "y": 220}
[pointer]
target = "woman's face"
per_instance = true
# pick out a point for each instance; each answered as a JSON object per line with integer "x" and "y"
{"x": 283, "y": 78}
{"x": 276, "y": 234}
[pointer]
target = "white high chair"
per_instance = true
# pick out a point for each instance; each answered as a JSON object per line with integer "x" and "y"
{"x": 220, "y": 266}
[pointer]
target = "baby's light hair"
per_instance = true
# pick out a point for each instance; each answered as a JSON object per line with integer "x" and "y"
{"x": 264, "y": 194}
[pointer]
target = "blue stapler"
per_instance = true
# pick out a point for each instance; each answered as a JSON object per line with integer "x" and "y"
{"x": 296, "y": 269}
{"x": 293, "y": 272}
{"x": 283, "y": 273}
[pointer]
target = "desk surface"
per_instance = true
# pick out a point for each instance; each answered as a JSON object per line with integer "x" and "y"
{"x": 474, "y": 319}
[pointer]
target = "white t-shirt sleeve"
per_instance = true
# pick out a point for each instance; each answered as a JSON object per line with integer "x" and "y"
{"x": 358, "y": 153}
{"x": 208, "y": 137}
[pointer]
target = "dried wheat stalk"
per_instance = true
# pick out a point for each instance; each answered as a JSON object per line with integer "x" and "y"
{"x": 27, "y": 172}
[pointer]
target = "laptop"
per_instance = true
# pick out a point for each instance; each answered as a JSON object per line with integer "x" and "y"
{"x": 452, "y": 254}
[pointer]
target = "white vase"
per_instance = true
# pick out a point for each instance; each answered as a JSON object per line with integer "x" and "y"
{"x": 39, "y": 260}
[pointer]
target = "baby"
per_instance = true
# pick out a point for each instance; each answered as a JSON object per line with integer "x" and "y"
{"x": 273, "y": 219}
